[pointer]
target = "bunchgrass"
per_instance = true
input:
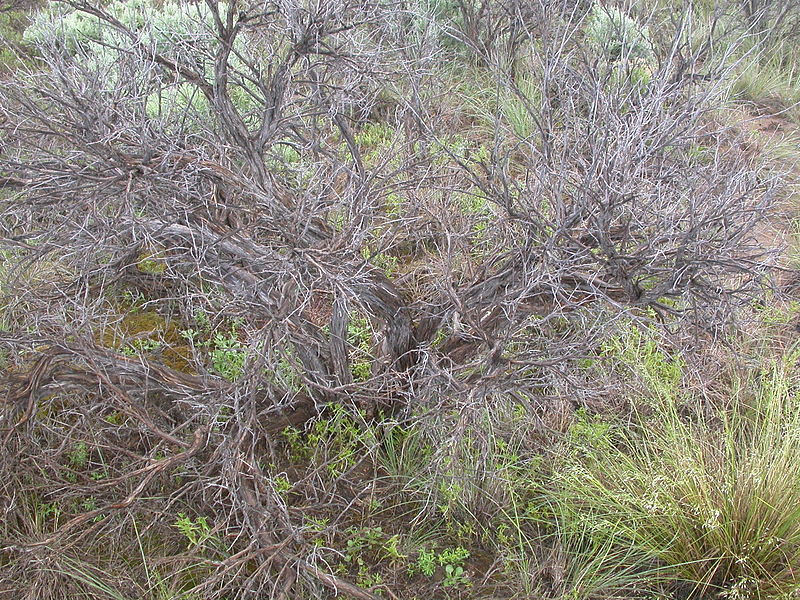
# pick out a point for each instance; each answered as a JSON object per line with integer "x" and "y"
{"x": 595, "y": 562}
{"x": 713, "y": 496}
{"x": 769, "y": 77}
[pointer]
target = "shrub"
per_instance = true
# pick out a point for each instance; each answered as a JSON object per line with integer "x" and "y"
{"x": 170, "y": 26}
{"x": 217, "y": 164}
{"x": 617, "y": 35}
{"x": 178, "y": 31}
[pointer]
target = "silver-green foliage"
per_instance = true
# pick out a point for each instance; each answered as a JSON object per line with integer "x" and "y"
{"x": 137, "y": 28}
{"x": 169, "y": 27}
{"x": 617, "y": 35}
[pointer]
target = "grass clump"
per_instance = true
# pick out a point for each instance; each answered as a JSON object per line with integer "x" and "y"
{"x": 770, "y": 81}
{"x": 715, "y": 498}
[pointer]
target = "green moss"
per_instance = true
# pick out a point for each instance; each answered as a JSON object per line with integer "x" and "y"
{"x": 152, "y": 262}
{"x": 152, "y": 334}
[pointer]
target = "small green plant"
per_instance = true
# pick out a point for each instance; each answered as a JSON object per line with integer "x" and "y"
{"x": 228, "y": 354}
{"x": 360, "y": 540}
{"x": 361, "y": 370}
{"x": 477, "y": 209}
{"x": 359, "y": 337}
{"x": 287, "y": 152}
{"x": 226, "y": 351}
{"x": 298, "y": 448}
{"x": 141, "y": 346}
{"x": 394, "y": 205}
{"x": 133, "y": 300}
{"x": 589, "y": 432}
{"x": 203, "y": 321}
{"x": 473, "y": 203}
{"x": 335, "y": 442}
{"x": 78, "y": 457}
{"x": 372, "y": 543}
{"x": 190, "y": 334}
{"x": 391, "y": 548}
{"x": 451, "y": 494}
{"x": 453, "y": 556}
{"x": 196, "y": 531}
{"x": 282, "y": 485}
{"x": 284, "y": 374}
{"x": 637, "y": 349}
{"x": 385, "y": 262}
{"x": 425, "y": 564}
{"x": 365, "y": 545}
{"x": 368, "y": 580}
{"x": 316, "y": 524}
{"x": 44, "y": 512}
{"x": 451, "y": 560}
{"x": 373, "y": 135}
{"x": 454, "y": 575}
{"x": 115, "y": 418}
{"x": 439, "y": 338}
{"x": 89, "y": 503}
